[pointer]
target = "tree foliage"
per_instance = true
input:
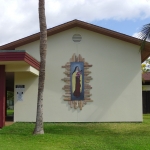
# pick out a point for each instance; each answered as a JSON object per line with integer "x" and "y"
{"x": 144, "y": 35}
{"x": 10, "y": 95}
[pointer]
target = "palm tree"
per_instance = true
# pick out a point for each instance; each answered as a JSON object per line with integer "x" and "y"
{"x": 43, "y": 47}
{"x": 144, "y": 35}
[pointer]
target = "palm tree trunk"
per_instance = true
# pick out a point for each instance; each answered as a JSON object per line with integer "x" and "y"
{"x": 43, "y": 47}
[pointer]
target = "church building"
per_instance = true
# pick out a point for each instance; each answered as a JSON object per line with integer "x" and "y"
{"x": 92, "y": 75}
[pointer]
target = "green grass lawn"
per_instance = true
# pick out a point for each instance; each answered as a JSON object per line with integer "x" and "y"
{"x": 78, "y": 136}
{"x": 10, "y": 112}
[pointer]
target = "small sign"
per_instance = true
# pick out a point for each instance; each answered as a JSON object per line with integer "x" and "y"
{"x": 20, "y": 92}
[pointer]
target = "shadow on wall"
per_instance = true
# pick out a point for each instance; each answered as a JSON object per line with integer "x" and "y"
{"x": 115, "y": 96}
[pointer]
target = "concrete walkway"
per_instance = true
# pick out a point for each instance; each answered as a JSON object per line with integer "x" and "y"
{"x": 8, "y": 123}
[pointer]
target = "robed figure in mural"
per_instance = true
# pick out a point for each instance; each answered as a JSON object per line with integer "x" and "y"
{"x": 77, "y": 82}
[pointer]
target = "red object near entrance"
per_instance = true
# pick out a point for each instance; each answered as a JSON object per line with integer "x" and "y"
{"x": 2, "y": 95}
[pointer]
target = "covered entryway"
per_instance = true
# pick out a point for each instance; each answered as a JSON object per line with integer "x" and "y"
{"x": 146, "y": 92}
{"x": 146, "y": 102}
{"x": 9, "y": 101}
{"x": 11, "y": 62}
{"x": 146, "y": 97}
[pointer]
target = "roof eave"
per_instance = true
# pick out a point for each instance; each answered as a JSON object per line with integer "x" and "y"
{"x": 81, "y": 24}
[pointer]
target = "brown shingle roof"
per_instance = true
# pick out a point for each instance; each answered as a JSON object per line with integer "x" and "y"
{"x": 77, "y": 23}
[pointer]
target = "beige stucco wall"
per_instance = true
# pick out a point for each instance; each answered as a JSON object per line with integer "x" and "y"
{"x": 26, "y": 110}
{"x": 116, "y": 83}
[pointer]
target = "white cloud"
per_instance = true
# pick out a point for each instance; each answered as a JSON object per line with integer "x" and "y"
{"x": 136, "y": 35}
{"x": 19, "y": 18}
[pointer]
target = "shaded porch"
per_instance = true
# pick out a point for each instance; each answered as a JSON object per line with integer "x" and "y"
{"x": 11, "y": 62}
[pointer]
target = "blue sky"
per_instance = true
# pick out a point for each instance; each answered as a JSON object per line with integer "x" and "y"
{"x": 129, "y": 27}
{"x": 19, "y": 18}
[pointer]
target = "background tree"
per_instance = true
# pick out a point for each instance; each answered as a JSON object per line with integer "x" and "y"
{"x": 10, "y": 99}
{"x": 146, "y": 65}
{"x": 144, "y": 35}
{"x": 10, "y": 95}
{"x": 43, "y": 47}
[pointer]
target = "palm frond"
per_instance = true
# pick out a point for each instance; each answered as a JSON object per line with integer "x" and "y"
{"x": 144, "y": 35}
{"x": 145, "y": 32}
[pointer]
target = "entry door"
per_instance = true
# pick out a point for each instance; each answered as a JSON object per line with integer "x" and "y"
{"x": 2, "y": 96}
